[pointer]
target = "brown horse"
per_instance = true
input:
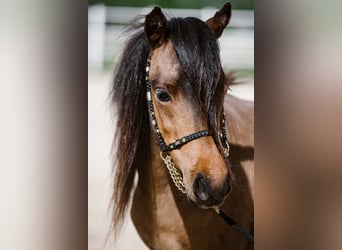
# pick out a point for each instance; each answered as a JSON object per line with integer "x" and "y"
{"x": 169, "y": 88}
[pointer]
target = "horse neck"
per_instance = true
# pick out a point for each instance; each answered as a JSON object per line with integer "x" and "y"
{"x": 154, "y": 204}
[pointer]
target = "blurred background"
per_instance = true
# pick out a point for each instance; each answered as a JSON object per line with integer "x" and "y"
{"x": 106, "y": 23}
{"x": 107, "y": 20}
{"x": 55, "y": 123}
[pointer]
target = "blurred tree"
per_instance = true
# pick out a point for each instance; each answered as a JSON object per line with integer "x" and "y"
{"x": 237, "y": 4}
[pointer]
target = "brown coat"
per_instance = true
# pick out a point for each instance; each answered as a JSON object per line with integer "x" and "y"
{"x": 166, "y": 220}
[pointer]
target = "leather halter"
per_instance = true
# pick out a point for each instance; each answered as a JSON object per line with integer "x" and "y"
{"x": 186, "y": 139}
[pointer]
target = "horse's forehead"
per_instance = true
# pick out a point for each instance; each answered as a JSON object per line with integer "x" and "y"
{"x": 165, "y": 64}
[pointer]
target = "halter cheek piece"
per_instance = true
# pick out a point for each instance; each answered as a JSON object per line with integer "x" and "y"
{"x": 176, "y": 176}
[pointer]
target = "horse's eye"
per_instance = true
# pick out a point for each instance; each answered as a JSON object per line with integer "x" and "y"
{"x": 163, "y": 96}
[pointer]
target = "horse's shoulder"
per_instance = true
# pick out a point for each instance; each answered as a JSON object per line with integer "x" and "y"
{"x": 239, "y": 121}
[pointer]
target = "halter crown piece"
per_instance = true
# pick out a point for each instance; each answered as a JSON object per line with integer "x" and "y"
{"x": 175, "y": 174}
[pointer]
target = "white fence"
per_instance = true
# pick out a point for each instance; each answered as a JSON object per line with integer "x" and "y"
{"x": 105, "y": 26}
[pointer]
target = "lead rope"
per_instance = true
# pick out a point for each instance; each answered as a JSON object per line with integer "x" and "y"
{"x": 234, "y": 225}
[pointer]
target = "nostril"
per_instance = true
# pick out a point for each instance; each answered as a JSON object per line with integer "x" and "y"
{"x": 201, "y": 188}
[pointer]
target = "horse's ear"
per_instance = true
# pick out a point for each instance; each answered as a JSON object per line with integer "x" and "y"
{"x": 221, "y": 19}
{"x": 155, "y": 27}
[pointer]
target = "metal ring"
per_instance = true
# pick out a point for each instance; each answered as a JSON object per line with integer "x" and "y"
{"x": 161, "y": 156}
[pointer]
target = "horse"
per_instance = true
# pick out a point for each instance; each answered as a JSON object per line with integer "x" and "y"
{"x": 190, "y": 143}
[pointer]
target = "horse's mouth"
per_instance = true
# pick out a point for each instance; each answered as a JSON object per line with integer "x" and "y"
{"x": 209, "y": 203}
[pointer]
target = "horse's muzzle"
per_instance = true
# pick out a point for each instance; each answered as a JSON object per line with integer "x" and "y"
{"x": 206, "y": 195}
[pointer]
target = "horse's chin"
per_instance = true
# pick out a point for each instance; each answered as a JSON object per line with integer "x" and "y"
{"x": 201, "y": 205}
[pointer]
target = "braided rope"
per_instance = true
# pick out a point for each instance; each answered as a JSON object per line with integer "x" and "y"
{"x": 244, "y": 232}
{"x": 234, "y": 225}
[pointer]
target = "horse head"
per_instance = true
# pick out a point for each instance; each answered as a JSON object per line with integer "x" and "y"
{"x": 186, "y": 90}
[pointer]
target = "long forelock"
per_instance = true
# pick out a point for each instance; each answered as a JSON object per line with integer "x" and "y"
{"x": 198, "y": 52}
